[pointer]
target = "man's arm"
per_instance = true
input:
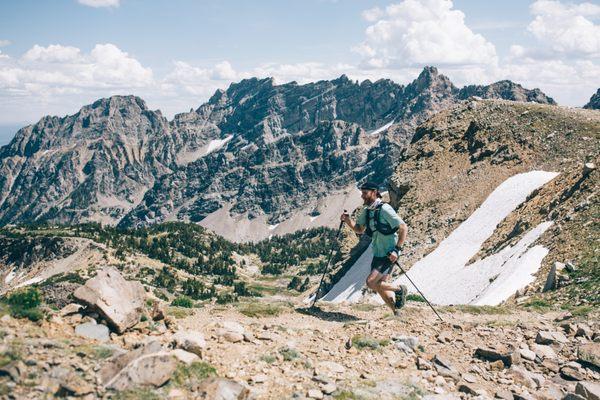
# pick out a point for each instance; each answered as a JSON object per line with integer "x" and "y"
{"x": 402, "y": 232}
{"x": 356, "y": 227}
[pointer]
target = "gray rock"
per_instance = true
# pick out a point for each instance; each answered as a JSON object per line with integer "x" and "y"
{"x": 91, "y": 330}
{"x": 445, "y": 368}
{"x": 527, "y": 354}
{"x": 584, "y": 331}
{"x": 573, "y": 396}
{"x": 411, "y": 341}
{"x": 192, "y": 341}
{"x": 232, "y": 337}
{"x": 468, "y": 388}
{"x": 588, "y": 390}
{"x": 328, "y": 388}
{"x": 546, "y": 337}
{"x": 120, "y": 302}
{"x": 423, "y": 364}
{"x": 507, "y": 355}
{"x": 70, "y": 309}
{"x": 14, "y": 369}
{"x": 73, "y": 385}
{"x": 151, "y": 370}
{"x": 521, "y": 376}
{"x": 221, "y": 389}
{"x": 589, "y": 354}
{"x": 115, "y": 364}
{"x": 551, "y": 282}
{"x": 185, "y": 356}
{"x": 503, "y": 394}
{"x": 571, "y": 373}
{"x": 543, "y": 351}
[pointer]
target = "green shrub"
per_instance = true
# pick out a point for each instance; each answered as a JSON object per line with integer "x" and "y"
{"x": 33, "y": 314}
{"x": 196, "y": 371}
{"x": 289, "y": 354}
{"x": 224, "y": 298}
{"x": 25, "y": 298}
{"x": 268, "y": 358}
{"x": 415, "y": 297}
{"x": 183, "y": 301}
{"x": 362, "y": 342}
{"x": 538, "y": 304}
{"x": 137, "y": 394}
{"x": 260, "y": 309}
{"x": 24, "y": 303}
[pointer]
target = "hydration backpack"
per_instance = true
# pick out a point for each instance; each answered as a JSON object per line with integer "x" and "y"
{"x": 380, "y": 226}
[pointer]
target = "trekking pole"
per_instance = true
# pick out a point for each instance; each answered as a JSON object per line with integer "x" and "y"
{"x": 327, "y": 266}
{"x": 421, "y": 293}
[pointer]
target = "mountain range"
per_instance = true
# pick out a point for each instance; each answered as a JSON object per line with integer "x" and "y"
{"x": 257, "y": 159}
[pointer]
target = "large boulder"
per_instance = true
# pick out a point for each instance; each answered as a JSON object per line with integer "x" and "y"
{"x": 117, "y": 363}
{"x": 588, "y": 390}
{"x": 589, "y": 354}
{"x": 151, "y": 370}
{"x": 119, "y": 301}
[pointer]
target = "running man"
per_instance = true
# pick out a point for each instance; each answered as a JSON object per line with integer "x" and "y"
{"x": 388, "y": 232}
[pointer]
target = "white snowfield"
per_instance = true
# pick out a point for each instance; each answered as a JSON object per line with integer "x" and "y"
{"x": 381, "y": 128}
{"x": 444, "y": 276}
{"x": 217, "y": 144}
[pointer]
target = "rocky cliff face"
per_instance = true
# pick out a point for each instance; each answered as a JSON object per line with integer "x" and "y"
{"x": 594, "y": 103}
{"x": 94, "y": 165}
{"x": 255, "y": 150}
{"x": 458, "y": 157}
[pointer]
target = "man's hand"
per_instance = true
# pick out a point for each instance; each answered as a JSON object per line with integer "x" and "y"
{"x": 345, "y": 217}
{"x": 394, "y": 254}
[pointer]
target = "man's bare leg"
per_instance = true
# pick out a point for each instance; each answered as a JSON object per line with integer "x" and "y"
{"x": 374, "y": 282}
{"x": 387, "y": 291}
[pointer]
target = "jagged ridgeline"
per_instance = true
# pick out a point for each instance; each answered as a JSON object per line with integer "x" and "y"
{"x": 175, "y": 259}
{"x": 257, "y": 159}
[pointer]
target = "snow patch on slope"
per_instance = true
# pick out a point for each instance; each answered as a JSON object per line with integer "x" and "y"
{"x": 216, "y": 144}
{"x": 382, "y": 128}
{"x": 10, "y": 276}
{"x": 444, "y": 276}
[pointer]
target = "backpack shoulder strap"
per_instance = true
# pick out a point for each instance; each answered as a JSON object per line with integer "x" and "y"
{"x": 382, "y": 226}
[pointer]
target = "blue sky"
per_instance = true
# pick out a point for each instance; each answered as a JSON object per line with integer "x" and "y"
{"x": 56, "y": 56}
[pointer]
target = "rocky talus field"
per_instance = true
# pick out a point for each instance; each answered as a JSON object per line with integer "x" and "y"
{"x": 117, "y": 340}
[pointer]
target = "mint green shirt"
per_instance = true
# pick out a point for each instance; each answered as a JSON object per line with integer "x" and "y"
{"x": 382, "y": 244}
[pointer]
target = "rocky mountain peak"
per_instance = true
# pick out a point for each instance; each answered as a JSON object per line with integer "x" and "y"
{"x": 430, "y": 78}
{"x": 342, "y": 80}
{"x": 507, "y": 90}
{"x": 594, "y": 103}
{"x": 119, "y": 101}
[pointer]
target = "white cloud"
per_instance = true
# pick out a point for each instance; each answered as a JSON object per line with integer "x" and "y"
{"x": 113, "y": 67}
{"x": 100, "y": 3}
{"x": 4, "y": 43}
{"x": 400, "y": 41}
{"x": 223, "y": 71}
{"x": 566, "y": 28}
{"x": 45, "y": 70}
{"x": 415, "y": 32}
{"x": 53, "y": 53}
